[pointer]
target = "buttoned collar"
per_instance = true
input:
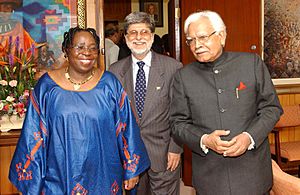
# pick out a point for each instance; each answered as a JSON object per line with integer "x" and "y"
{"x": 217, "y": 62}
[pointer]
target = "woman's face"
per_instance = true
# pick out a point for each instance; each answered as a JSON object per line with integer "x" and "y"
{"x": 83, "y": 54}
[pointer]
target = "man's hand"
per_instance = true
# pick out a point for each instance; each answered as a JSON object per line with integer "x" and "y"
{"x": 173, "y": 161}
{"x": 213, "y": 141}
{"x": 241, "y": 144}
{"x": 129, "y": 184}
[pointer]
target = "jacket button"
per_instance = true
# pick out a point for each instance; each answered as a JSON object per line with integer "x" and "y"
{"x": 217, "y": 71}
{"x": 222, "y": 110}
{"x": 220, "y": 91}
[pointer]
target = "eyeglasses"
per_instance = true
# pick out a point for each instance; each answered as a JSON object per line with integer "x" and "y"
{"x": 190, "y": 41}
{"x": 81, "y": 49}
{"x": 143, "y": 33}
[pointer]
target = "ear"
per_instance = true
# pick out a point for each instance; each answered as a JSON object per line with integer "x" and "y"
{"x": 223, "y": 35}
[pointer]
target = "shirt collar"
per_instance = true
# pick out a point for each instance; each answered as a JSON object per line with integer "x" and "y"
{"x": 146, "y": 60}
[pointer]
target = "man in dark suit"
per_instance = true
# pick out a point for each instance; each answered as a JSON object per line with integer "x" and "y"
{"x": 224, "y": 105}
{"x": 147, "y": 77}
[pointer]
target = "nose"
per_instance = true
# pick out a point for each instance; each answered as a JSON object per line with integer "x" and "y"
{"x": 199, "y": 43}
{"x": 138, "y": 36}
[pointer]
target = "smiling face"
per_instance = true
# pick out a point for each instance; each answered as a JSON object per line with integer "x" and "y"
{"x": 139, "y": 39}
{"x": 83, "y": 54}
{"x": 210, "y": 50}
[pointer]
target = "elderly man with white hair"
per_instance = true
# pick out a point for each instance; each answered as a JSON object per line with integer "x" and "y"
{"x": 223, "y": 107}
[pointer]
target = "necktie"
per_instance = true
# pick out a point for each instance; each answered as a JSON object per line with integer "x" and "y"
{"x": 140, "y": 88}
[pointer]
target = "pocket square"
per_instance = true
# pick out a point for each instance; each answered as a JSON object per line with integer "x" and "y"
{"x": 158, "y": 88}
{"x": 242, "y": 86}
{"x": 239, "y": 88}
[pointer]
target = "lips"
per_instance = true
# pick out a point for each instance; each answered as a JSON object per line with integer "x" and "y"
{"x": 201, "y": 52}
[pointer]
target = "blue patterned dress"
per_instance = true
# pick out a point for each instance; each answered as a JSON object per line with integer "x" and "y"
{"x": 76, "y": 142}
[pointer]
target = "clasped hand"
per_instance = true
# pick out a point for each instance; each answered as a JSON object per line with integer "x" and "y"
{"x": 131, "y": 183}
{"x": 232, "y": 148}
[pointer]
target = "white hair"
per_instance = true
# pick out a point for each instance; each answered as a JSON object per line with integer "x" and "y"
{"x": 214, "y": 18}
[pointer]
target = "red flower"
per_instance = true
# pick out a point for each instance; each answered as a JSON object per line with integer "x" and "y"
{"x": 20, "y": 109}
{"x": 6, "y": 107}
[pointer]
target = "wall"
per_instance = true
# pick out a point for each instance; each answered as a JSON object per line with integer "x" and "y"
{"x": 135, "y": 6}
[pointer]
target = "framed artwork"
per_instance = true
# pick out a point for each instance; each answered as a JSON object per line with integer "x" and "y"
{"x": 281, "y": 40}
{"x": 41, "y": 23}
{"x": 155, "y": 9}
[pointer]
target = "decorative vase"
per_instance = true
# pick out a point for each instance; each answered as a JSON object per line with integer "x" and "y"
{"x": 11, "y": 122}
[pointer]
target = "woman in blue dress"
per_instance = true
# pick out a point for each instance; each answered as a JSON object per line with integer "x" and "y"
{"x": 79, "y": 135}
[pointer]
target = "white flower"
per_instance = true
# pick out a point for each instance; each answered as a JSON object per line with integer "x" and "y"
{"x": 3, "y": 82}
{"x": 10, "y": 99}
{"x": 13, "y": 83}
{"x": 1, "y": 105}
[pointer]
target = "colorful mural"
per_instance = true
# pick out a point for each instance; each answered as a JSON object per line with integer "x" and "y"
{"x": 45, "y": 21}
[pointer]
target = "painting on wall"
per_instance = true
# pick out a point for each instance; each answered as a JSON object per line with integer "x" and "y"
{"x": 38, "y": 24}
{"x": 155, "y": 9}
{"x": 282, "y": 38}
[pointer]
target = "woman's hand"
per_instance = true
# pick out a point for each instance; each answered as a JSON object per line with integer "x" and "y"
{"x": 129, "y": 184}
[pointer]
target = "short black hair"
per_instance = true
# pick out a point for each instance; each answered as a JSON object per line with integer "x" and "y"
{"x": 69, "y": 36}
{"x": 110, "y": 30}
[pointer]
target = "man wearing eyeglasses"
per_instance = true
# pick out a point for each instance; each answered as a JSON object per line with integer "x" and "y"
{"x": 224, "y": 105}
{"x": 147, "y": 77}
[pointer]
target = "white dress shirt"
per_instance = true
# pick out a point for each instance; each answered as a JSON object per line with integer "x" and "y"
{"x": 135, "y": 67}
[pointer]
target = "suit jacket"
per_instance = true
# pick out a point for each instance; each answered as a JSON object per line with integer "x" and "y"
{"x": 154, "y": 124}
{"x": 235, "y": 93}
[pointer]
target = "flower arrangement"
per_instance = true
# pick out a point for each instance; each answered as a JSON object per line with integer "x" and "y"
{"x": 17, "y": 68}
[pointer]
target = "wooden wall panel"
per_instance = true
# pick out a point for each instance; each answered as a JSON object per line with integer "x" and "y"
{"x": 116, "y": 9}
{"x": 6, "y": 153}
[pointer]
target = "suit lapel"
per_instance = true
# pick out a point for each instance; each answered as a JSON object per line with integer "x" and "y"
{"x": 155, "y": 83}
{"x": 127, "y": 79}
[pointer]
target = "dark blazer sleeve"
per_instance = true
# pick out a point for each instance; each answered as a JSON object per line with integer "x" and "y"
{"x": 268, "y": 106}
{"x": 183, "y": 129}
{"x": 174, "y": 146}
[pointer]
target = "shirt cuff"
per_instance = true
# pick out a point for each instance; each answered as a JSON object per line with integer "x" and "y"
{"x": 252, "y": 144}
{"x": 202, "y": 146}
